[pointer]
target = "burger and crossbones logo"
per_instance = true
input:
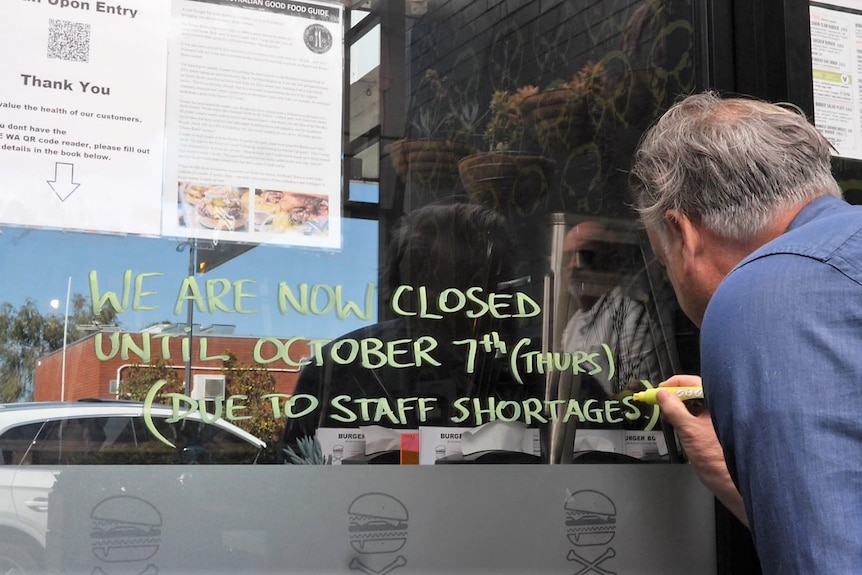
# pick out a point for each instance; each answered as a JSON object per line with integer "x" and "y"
{"x": 124, "y": 530}
{"x": 591, "y": 522}
{"x": 378, "y": 528}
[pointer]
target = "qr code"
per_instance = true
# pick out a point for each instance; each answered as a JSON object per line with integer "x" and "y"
{"x": 68, "y": 41}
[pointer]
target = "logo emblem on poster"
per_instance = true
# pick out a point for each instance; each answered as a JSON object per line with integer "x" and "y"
{"x": 317, "y": 38}
{"x": 378, "y": 528}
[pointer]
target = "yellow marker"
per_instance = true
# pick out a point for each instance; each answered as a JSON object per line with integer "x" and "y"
{"x": 684, "y": 393}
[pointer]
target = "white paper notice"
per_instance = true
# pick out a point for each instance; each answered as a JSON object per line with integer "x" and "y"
{"x": 438, "y": 442}
{"x": 340, "y": 444}
{"x": 610, "y": 440}
{"x": 836, "y": 58}
{"x": 82, "y": 114}
{"x": 254, "y": 121}
{"x": 640, "y": 444}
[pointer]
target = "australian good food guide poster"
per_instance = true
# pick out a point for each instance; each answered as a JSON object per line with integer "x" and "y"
{"x": 214, "y": 119}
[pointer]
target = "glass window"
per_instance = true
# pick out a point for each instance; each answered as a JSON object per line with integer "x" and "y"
{"x": 360, "y": 232}
{"x": 123, "y": 440}
{"x": 422, "y": 243}
{"x": 16, "y": 443}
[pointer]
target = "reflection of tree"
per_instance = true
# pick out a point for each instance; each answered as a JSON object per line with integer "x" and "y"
{"x": 249, "y": 381}
{"x": 253, "y": 382}
{"x": 26, "y": 335}
{"x": 142, "y": 377}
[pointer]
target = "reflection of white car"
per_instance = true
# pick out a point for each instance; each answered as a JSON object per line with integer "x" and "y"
{"x": 37, "y": 438}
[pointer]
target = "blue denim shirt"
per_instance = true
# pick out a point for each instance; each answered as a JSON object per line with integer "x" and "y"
{"x": 781, "y": 350}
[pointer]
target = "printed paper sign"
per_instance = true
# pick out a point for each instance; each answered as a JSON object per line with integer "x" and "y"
{"x": 254, "y": 122}
{"x": 438, "y": 442}
{"x": 340, "y": 444}
{"x": 836, "y": 58}
{"x": 82, "y": 114}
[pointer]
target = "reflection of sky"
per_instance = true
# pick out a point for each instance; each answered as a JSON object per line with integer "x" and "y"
{"x": 37, "y": 264}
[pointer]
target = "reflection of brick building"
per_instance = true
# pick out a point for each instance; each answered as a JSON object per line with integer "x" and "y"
{"x": 94, "y": 363}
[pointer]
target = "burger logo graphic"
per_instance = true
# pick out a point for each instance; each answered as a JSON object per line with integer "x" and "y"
{"x": 124, "y": 529}
{"x": 378, "y": 523}
{"x": 591, "y": 518}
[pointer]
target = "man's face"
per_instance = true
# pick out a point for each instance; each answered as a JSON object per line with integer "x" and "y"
{"x": 692, "y": 291}
{"x": 591, "y": 260}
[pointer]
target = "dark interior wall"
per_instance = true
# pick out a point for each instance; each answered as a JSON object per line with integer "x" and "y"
{"x": 766, "y": 52}
{"x": 493, "y": 45}
{"x": 647, "y": 48}
{"x": 476, "y": 48}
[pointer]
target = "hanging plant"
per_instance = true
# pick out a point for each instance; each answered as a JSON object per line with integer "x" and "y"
{"x": 430, "y": 156}
{"x": 565, "y": 114}
{"x": 505, "y": 128}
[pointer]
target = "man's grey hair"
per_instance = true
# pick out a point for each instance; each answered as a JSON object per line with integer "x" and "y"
{"x": 734, "y": 163}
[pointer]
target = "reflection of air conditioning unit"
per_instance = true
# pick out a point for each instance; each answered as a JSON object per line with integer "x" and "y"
{"x": 207, "y": 386}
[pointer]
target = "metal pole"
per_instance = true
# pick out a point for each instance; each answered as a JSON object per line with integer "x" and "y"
{"x": 65, "y": 339}
{"x": 559, "y": 437}
{"x": 190, "y": 314}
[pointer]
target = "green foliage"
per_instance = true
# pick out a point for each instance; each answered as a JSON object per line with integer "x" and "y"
{"x": 508, "y": 110}
{"x": 429, "y": 123}
{"x": 505, "y": 128}
{"x": 26, "y": 335}
{"x": 250, "y": 381}
{"x": 445, "y": 115}
{"x": 142, "y": 377}
{"x": 310, "y": 453}
{"x": 254, "y": 382}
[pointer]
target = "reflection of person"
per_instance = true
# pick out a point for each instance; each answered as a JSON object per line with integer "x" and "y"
{"x": 438, "y": 251}
{"x": 740, "y": 204}
{"x": 611, "y": 308}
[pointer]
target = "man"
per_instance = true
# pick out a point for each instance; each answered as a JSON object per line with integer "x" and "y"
{"x": 740, "y": 205}
{"x": 605, "y": 278}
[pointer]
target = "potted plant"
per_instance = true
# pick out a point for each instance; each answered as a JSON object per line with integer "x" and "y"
{"x": 434, "y": 148}
{"x": 507, "y": 178}
{"x": 505, "y": 128}
{"x": 565, "y": 114}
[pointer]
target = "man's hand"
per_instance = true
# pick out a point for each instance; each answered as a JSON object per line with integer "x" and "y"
{"x": 698, "y": 439}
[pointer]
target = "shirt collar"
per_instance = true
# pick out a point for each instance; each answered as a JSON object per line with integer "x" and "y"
{"x": 814, "y": 209}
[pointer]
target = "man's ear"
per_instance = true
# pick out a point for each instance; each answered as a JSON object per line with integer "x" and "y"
{"x": 685, "y": 232}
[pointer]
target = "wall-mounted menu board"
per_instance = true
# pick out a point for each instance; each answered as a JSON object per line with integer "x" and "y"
{"x": 836, "y": 58}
